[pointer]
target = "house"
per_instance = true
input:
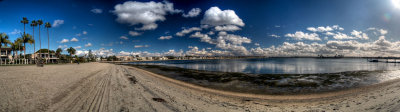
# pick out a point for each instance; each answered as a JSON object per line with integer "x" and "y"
{"x": 52, "y": 58}
{"x": 5, "y": 53}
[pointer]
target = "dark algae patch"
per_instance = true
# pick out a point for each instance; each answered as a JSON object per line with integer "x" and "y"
{"x": 264, "y": 83}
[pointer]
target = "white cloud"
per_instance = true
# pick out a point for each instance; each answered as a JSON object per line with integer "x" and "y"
{"x": 383, "y": 32}
{"x": 337, "y": 27}
{"x": 329, "y": 33}
{"x": 134, "y": 33}
{"x": 359, "y": 34}
{"x": 325, "y": 29}
{"x": 77, "y": 47}
{"x": 88, "y": 44}
{"x": 341, "y": 36}
{"x": 124, "y": 37}
{"x": 299, "y": 35}
{"x": 215, "y": 17}
{"x": 62, "y": 46}
{"x": 57, "y": 23}
{"x": 84, "y": 32}
{"x": 227, "y": 28}
{"x": 312, "y": 29}
{"x": 139, "y": 46}
{"x": 15, "y": 31}
{"x": 97, "y": 11}
{"x": 143, "y": 13}
{"x": 192, "y": 13}
{"x": 273, "y": 35}
{"x": 74, "y": 40}
{"x": 187, "y": 31}
{"x": 64, "y": 41}
{"x": 203, "y": 37}
{"x": 165, "y": 37}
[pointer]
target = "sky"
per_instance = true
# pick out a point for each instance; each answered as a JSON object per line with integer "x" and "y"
{"x": 210, "y": 27}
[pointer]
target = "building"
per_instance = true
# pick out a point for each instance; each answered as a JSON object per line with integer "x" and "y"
{"x": 52, "y": 58}
{"x": 5, "y": 53}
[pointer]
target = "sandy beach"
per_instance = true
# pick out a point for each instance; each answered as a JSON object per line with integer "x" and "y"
{"x": 109, "y": 88}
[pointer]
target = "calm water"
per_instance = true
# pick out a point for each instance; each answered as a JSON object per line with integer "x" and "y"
{"x": 279, "y": 65}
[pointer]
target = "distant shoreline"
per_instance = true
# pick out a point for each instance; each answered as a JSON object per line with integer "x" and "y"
{"x": 118, "y": 62}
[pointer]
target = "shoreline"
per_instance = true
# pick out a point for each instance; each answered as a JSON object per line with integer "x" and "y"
{"x": 309, "y": 96}
{"x": 265, "y": 84}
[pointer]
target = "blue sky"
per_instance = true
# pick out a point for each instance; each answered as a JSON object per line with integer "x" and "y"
{"x": 214, "y": 27}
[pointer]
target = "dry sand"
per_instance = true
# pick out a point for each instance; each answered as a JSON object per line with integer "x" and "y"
{"x": 110, "y": 88}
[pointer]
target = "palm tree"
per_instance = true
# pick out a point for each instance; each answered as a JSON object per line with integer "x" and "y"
{"x": 58, "y": 52}
{"x": 15, "y": 46}
{"x": 26, "y": 38}
{"x": 40, "y": 22}
{"x": 19, "y": 42}
{"x": 3, "y": 40}
{"x": 24, "y": 21}
{"x": 71, "y": 51}
{"x": 33, "y": 25}
{"x": 47, "y": 26}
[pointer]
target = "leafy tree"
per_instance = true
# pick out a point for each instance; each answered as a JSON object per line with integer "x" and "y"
{"x": 4, "y": 40}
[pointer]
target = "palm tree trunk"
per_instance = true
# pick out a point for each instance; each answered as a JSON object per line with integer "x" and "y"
{"x": 48, "y": 43}
{"x": 24, "y": 51}
{"x": 40, "y": 43}
{"x": 34, "y": 43}
{"x": 24, "y": 42}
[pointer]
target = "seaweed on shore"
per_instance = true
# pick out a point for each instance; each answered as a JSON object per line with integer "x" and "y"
{"x": 265, "y": 80}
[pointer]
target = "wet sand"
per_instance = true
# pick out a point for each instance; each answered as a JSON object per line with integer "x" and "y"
{"x": 108, "y": 88}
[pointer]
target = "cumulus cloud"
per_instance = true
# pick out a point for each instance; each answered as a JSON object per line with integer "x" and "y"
{"x": 192, "y": 13}
{"x": 299, "y": 35}
{"x": 77, "y": 47}
{"x": 74, "y": 40}
{"x": 383, "y": 32}
{"x": 381, "y": 47}
{"x": 97, "y": 11}
{"x": 134, "y": 33}
{"x": 165, "y": 37}
{"x": 57, "y": 23}
{"x": 227, "y": 28}
{"x": 15, "y": 31}
{"x": 124, "y": 37}
{"x": 187, "y": 31}
{"x": 62, "y": 46}
{"x": 225, "y": 41}
{"x": 325, "y": 29}
{"x": 359, "y": 34}
{"x": 84, "y": 32}
{"x": 140, "y": 46}
{"x": 64, "y": 41}
{"x": 143, "y": 13}
{"x": 88, "y": 44}
{"x": 203, "y": 38}
{"x": 273, "y": 35}
{"x": 215, "y": 17}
